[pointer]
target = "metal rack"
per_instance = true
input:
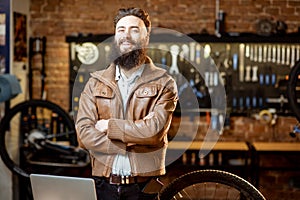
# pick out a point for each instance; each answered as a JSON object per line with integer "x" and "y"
{"x": 254, "y": 69}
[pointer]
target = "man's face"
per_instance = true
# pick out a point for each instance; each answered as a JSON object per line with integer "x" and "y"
{"x": 130, "y": 34}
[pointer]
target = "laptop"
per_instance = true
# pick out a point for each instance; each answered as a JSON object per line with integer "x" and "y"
{"x": 52, "y": 187}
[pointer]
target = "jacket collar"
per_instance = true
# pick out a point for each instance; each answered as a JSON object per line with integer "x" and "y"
{"x": 150, "y": 72}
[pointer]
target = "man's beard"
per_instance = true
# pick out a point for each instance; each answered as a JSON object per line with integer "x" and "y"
{"x": 129, "y": 59}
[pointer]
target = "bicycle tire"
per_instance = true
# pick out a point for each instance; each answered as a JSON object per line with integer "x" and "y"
{"x": 291, "y": 89}
{"x": 5, "y": 123}
{"x": 176, "y": 189}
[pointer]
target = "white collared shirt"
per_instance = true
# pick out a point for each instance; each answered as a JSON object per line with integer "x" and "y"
{"x": 121, "y": 165}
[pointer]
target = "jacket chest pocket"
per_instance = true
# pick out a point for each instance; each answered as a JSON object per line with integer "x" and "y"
{"x": 104, "y": 99}
{"x": 146, "y": 97}
{"x": 147, "y": 92}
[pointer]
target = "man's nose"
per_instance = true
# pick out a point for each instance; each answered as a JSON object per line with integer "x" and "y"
{"x": 127, "y": 33}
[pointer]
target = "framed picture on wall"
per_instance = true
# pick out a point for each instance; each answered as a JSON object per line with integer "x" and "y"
{"x": 2, "y": 28}
{"x": 2, "y": 64}
{"x": 20, "y": 37}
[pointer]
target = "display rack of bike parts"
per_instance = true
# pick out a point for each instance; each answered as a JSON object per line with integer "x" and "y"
{"x": 253, "y": 69}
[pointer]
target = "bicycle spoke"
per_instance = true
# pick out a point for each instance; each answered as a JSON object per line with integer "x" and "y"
{"x": 196, "y": 191}
{"x": 227, "y": 192}
{"x": 186, "y": 194}
{"x": 215, "y": 191}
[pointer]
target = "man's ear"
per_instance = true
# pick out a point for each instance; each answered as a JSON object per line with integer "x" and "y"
{"x": 147, "y": 38}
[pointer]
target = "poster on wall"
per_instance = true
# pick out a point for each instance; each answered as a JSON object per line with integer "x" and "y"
{"x": 2, "y": 42}
{"x": 2, "y": 64}
{"x": 2, "y": 29}
{"x": 20, "y": 37}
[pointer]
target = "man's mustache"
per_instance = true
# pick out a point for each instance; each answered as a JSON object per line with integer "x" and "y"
{"x": 127, "y": 40}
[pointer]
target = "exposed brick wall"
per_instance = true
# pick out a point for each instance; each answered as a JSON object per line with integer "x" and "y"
{"x": 56, "y": 19}
{"x": 240, "y": 129}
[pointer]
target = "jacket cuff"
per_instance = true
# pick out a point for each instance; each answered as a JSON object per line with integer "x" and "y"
{"x": 116, "y": 146}
{"x": 113, "y": 131}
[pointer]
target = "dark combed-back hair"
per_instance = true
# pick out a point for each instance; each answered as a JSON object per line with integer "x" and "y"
{"x": 137, "y": 12}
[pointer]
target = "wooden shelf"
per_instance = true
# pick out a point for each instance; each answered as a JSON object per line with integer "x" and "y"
{"x": 218, "y": 146}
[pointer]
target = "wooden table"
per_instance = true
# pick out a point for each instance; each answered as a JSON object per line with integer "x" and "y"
{"x": 271, "y": 148}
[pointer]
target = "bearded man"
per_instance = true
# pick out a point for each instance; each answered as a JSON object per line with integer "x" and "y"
{"x": 125, "y": 112}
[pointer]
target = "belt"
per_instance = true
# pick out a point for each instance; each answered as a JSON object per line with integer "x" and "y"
{"x": 124, "y": 180}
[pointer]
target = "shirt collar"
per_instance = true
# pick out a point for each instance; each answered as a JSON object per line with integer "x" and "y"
{"x": 118, "y": 73}
{"x": 136, "y": 74}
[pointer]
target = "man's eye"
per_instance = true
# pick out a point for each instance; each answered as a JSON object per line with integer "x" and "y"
{"x": 135, "y": 30}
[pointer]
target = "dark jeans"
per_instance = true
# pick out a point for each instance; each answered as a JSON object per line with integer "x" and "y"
{"x": 106, "y": 191}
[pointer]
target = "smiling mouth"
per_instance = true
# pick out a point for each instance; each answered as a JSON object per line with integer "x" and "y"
{"x": 126, "y": 46}
{"x": 127, "y": 43}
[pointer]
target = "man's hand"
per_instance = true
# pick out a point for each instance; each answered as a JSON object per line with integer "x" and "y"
{"x": 102, "y": 125}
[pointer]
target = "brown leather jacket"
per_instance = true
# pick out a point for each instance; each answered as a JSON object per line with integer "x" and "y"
{"x": 145, "y": 140}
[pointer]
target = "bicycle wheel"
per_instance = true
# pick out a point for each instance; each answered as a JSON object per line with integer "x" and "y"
{"x": 25, "y": 120}
{"x": 210, "y": 184}
{"x": 292, "y": 89}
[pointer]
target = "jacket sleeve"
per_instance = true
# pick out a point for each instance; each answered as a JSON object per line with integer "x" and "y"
{"x": 88, "y": 136}
{"x": 150, "y": 130}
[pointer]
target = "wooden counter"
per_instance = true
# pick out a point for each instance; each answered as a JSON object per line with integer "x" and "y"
{"x": 197, "y": 145}
{"x": 276, "y": 146}
{"x": 274, "y": 149}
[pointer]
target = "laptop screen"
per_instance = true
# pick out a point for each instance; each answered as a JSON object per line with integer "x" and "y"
{"x": 51, "y": 187}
